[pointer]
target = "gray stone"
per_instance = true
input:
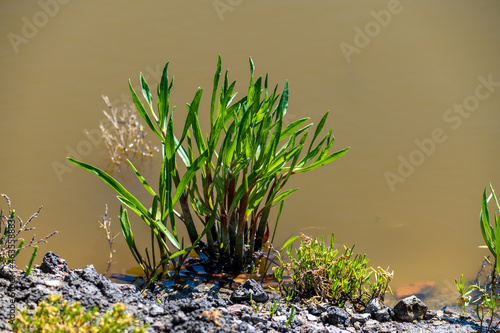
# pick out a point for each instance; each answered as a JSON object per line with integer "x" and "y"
{"x": 249, "y": 287}
{"x": 311, "y": 317}
{"x": 315, "y": 311}
{"x": 336, "y": 330}
{"x": 430, "y": 314}
{"x": 360, "y": 317}
{"x": 155, "y": 310}
{"x": 384, "y": 314}
{"x": 374, "y": 305}
{"x": 410, "y": 308}
{"x": 281, "y": 318}
{"x": 53, "y": 283}
{"x": 335, "y": 315}
{"x": 322, "y": 306}
{"x": 53, "y": 264}
{"x": 371, "y": 326}
{"x": 8, "y": 272}
{"x": 179, "y": 318}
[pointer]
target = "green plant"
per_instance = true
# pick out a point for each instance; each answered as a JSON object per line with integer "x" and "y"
{"x": 272, "y": 308}
{"x": 486, "y": 298}
{"x": 290, "y": 317}
{"x": 10, "y": 236}
{"x": 316, "y": 270}
{"x": 251, "y": 155}
{"x": 256, "y": 307}
{"x": 29, "y": 268}
{"x": 465, "y": 297}
{"x": 243, "y": 165}
{"x": 56, "y": 315}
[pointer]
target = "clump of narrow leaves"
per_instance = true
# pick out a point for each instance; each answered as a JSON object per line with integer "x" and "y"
{"x": 485, "y": 297}
{"x": 318, "y": 271}
{"x": 233, "y": 175}
{"x": 56, "y": 315}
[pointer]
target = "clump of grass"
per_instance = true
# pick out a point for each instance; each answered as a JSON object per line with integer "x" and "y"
{"x": 11, "y": 243}
{"x": 233, "y": 176}
{"x": 56, "y": 315}
{"x": 484, "y": 297}
{"x": 317, "y": 271}
{"x": 124, "y": 137}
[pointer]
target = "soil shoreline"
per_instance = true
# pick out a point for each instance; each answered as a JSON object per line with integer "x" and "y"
{"x": 202, "y": 305}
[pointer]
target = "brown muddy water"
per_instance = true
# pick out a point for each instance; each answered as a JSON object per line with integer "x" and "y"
{"x": 413, "y": 87}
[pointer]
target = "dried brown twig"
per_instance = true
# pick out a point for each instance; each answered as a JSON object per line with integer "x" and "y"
{"x": 12, "y": 237}
{"x": 124, "y": 136}
{"x": 105, "y": 223}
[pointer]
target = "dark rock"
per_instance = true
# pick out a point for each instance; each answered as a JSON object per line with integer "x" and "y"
{"x": 374, "y": 305}
{"x": 410, "y": 308}
{"x": 314, "y": 311}
{"x": 360, "y": 317}
{"x": 106, "y": 287}
{"x": 335, "y": 315}
{"x": 430, "y": 314}
{"x": 53, "y": 264}
{"x": 249, "y": 287}
{"x": 384, "y": 314}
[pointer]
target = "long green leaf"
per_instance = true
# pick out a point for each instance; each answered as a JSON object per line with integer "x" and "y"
{"x": 214, "y": 91}
{"x": 141, "y": 179}
{"x": 282, "y": 196}
{"x": 129, "y": 237}
{"x": 190, "y": 173}
{"x": 114, "y": 184}
{"x": 146, "y": 92}
{"x": 192, "y": 113}
{"x": 152, "y": 223}
{"x": 182, "y": 152}
{"x": 288, "y": 242}
{"x": 292, "y": 127}
{"x": 486, "y": 229}
{"x": 163, "y": 98}
{"x": 318, "y": 130}
{"x": 330, "y": 158}
{"x": 497, "y": 244}
{"x": 142, "y": 111}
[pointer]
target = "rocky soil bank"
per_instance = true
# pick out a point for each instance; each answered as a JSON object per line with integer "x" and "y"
{"x": 204, "y": 306}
